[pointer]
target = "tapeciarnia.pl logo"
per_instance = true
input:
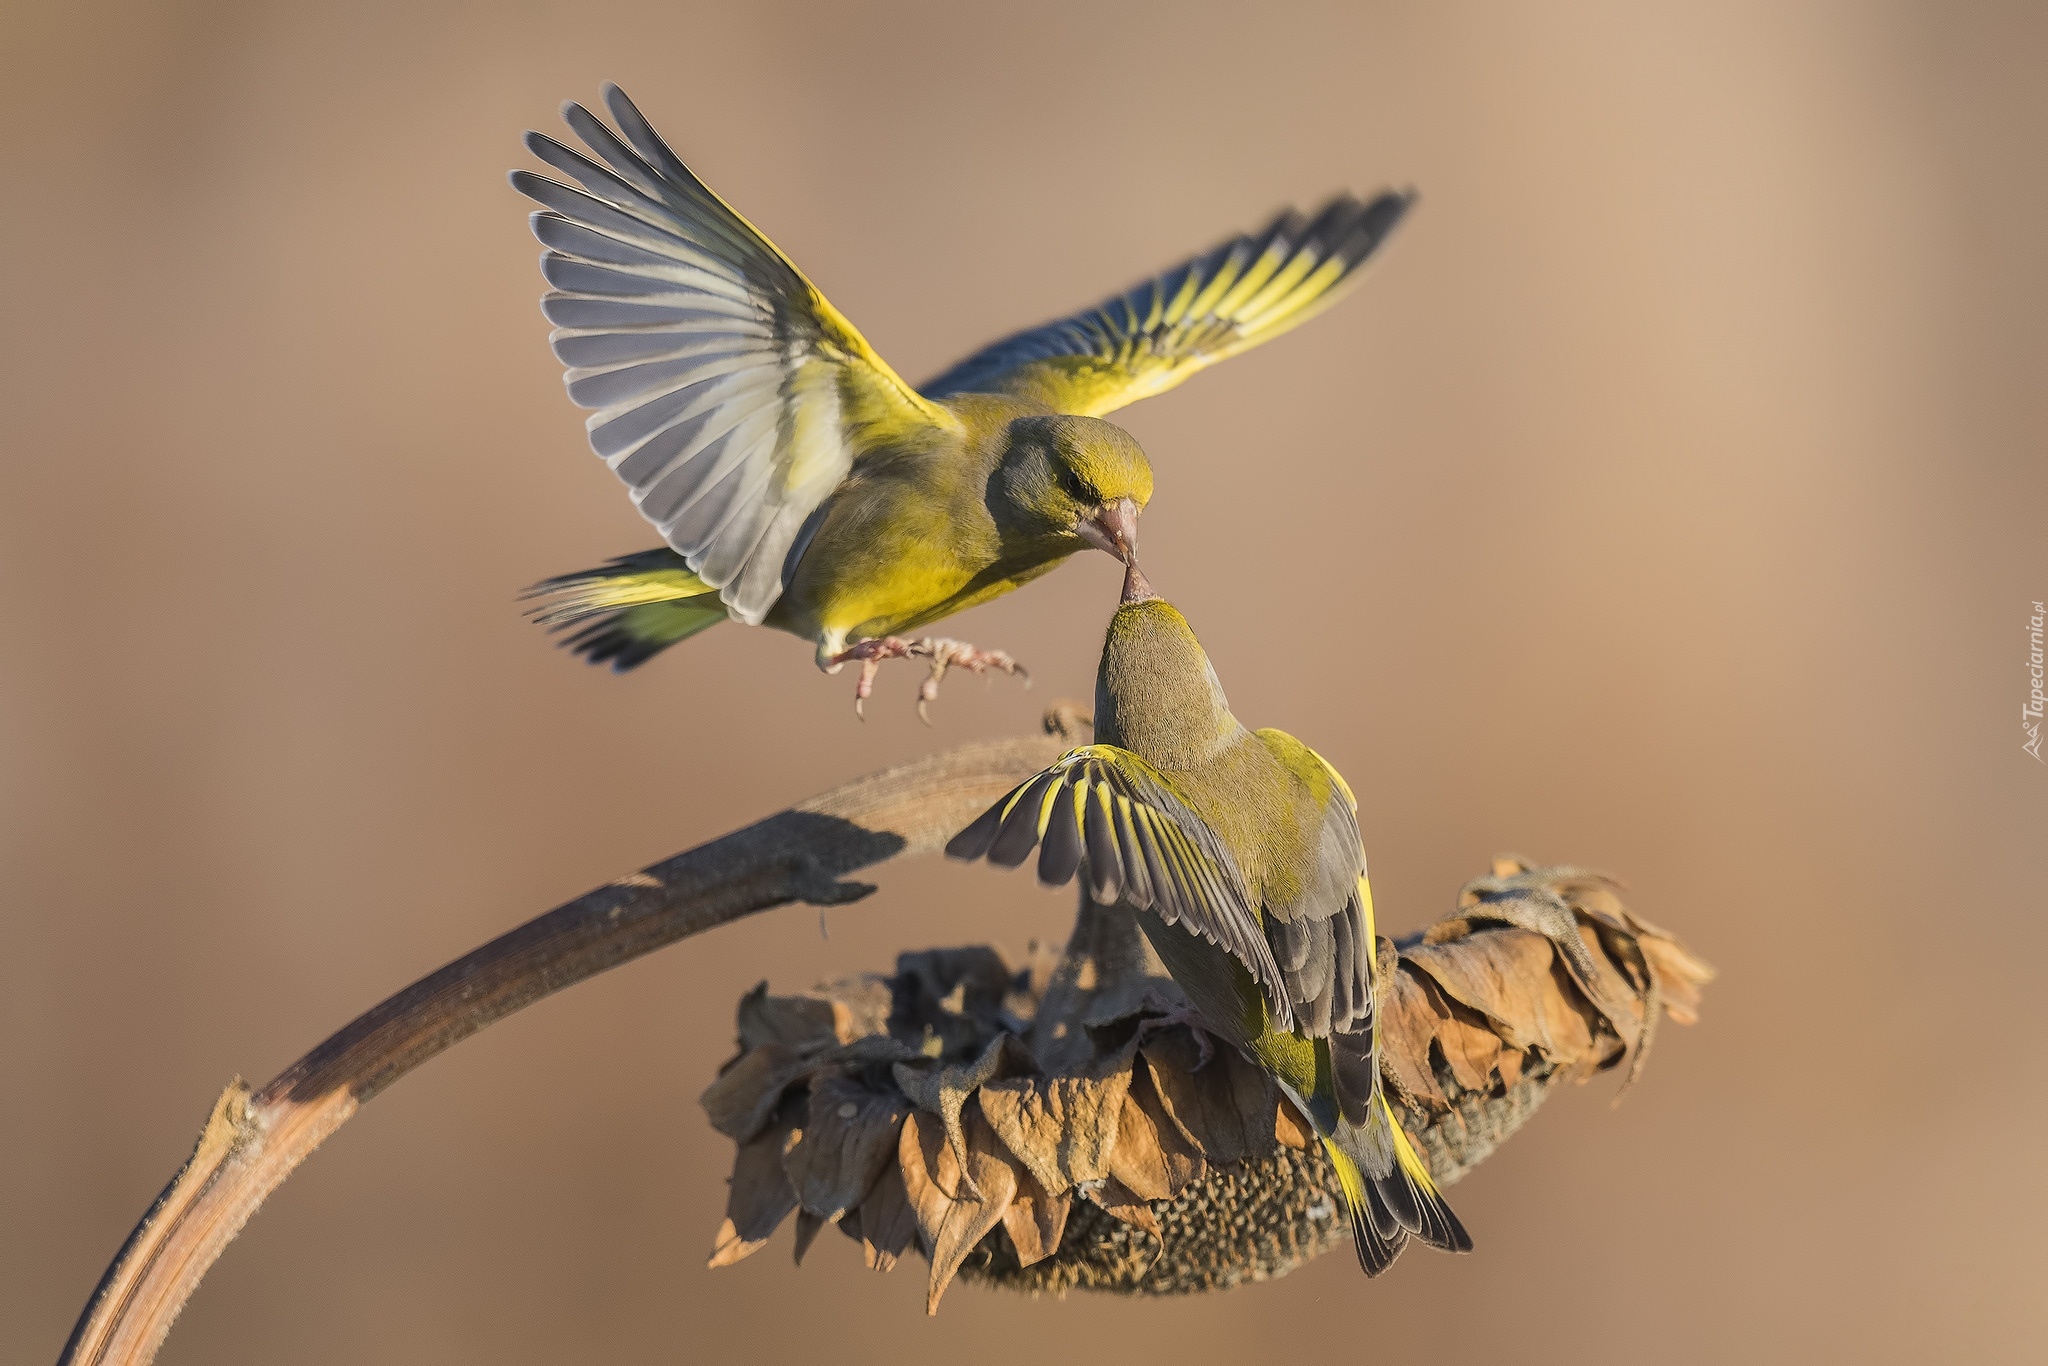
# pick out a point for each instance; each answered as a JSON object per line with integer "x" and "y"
{"x": 2030, "y": 713}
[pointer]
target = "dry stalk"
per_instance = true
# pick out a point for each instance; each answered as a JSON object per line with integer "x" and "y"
{"x": 253, "y": 1140}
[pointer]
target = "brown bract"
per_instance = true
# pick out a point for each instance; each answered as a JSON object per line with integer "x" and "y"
{"x": 1044, "y": 1126}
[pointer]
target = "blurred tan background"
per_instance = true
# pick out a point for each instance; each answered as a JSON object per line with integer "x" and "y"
{"x": 1670, "y": 500}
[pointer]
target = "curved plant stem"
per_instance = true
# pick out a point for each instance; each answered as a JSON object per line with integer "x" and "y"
{"x": 253, "y": 1140}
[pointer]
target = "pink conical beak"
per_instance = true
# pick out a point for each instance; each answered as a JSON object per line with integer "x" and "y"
{"x": 1112, "y": 528}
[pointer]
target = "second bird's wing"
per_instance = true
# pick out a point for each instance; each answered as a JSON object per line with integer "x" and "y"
{"x": 1143, "y": 846}
{"x": 1323, "y": 935}
{"x": 732, "y": 397}
{"x": 1154, "y": 335}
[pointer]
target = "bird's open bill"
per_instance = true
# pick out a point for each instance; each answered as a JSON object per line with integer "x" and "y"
{"x": 1113, "y": 528}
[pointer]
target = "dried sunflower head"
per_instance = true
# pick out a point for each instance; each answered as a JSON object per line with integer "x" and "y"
{"x": 1044, "y": 1125}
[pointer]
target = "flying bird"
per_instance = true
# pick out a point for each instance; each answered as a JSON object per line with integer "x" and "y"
{"x": 1241, "y": 852}
{"x": 797, "y": 481}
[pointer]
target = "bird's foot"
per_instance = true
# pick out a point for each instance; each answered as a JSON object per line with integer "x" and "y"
{"x": 944, "y": 654}
{"x": 1190, "y": 1019}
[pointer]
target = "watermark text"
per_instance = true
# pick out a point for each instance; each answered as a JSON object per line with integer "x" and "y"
{"x": 2030, "y": 713}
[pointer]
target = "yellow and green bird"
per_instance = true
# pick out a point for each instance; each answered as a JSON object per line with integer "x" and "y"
{"x": 1241, "y": 850}
{"x": 797, "y": 481}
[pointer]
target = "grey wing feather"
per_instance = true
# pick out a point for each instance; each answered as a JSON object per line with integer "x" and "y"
{"x": 1319, "y": 939}
{"x": 716, "y": 370}
{"x": 1138, "y": 843}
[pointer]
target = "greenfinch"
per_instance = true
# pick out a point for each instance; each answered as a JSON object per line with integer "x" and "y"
{"x": 1241, "y": 851}
{"x": 797, "y": 481}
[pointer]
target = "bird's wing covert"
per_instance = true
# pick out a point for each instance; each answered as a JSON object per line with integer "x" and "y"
{"x": 1154, "y": 335}
{"x": 1323, "y": 938}
{"x": 731, "y": 396}
{"x": 1142, "y": 845}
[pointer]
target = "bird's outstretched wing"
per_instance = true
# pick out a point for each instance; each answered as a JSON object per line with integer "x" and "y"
{"x": 1150, "y": 338}
{"x": 731, "y": 397}
{"x": 1142, "y": 845}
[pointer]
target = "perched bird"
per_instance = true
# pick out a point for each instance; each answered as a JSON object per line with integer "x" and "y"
{"x": 1241, "y": 850}
{"x": 798, "y": 482}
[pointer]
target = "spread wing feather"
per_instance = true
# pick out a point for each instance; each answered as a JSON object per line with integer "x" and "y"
{"x": 1151, "y": 337}
{"x": 732, "y": 398}
{"x": 1106, "y": 812}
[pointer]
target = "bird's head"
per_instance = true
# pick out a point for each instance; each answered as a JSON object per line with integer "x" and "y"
{"x": 1156, "y": 693}
{"x": 1077, "y": 479}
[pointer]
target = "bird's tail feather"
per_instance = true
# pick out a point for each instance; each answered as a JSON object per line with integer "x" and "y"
{"x": 1389, "y": 1191}
{"x": 1375, "y": 1233}
{"x": 1413, "y": 1198}
{"x": 629, "y": 610}
{"x": 1365, "y": 1129}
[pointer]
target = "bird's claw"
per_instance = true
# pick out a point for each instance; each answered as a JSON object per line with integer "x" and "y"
{"x": 865, "y": 684}
{"x": 943, "y": 653}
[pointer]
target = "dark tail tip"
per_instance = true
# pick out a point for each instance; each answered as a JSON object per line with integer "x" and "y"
{"x": 1377, "y": 1246}
{"x": 1421, "y": 1210}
